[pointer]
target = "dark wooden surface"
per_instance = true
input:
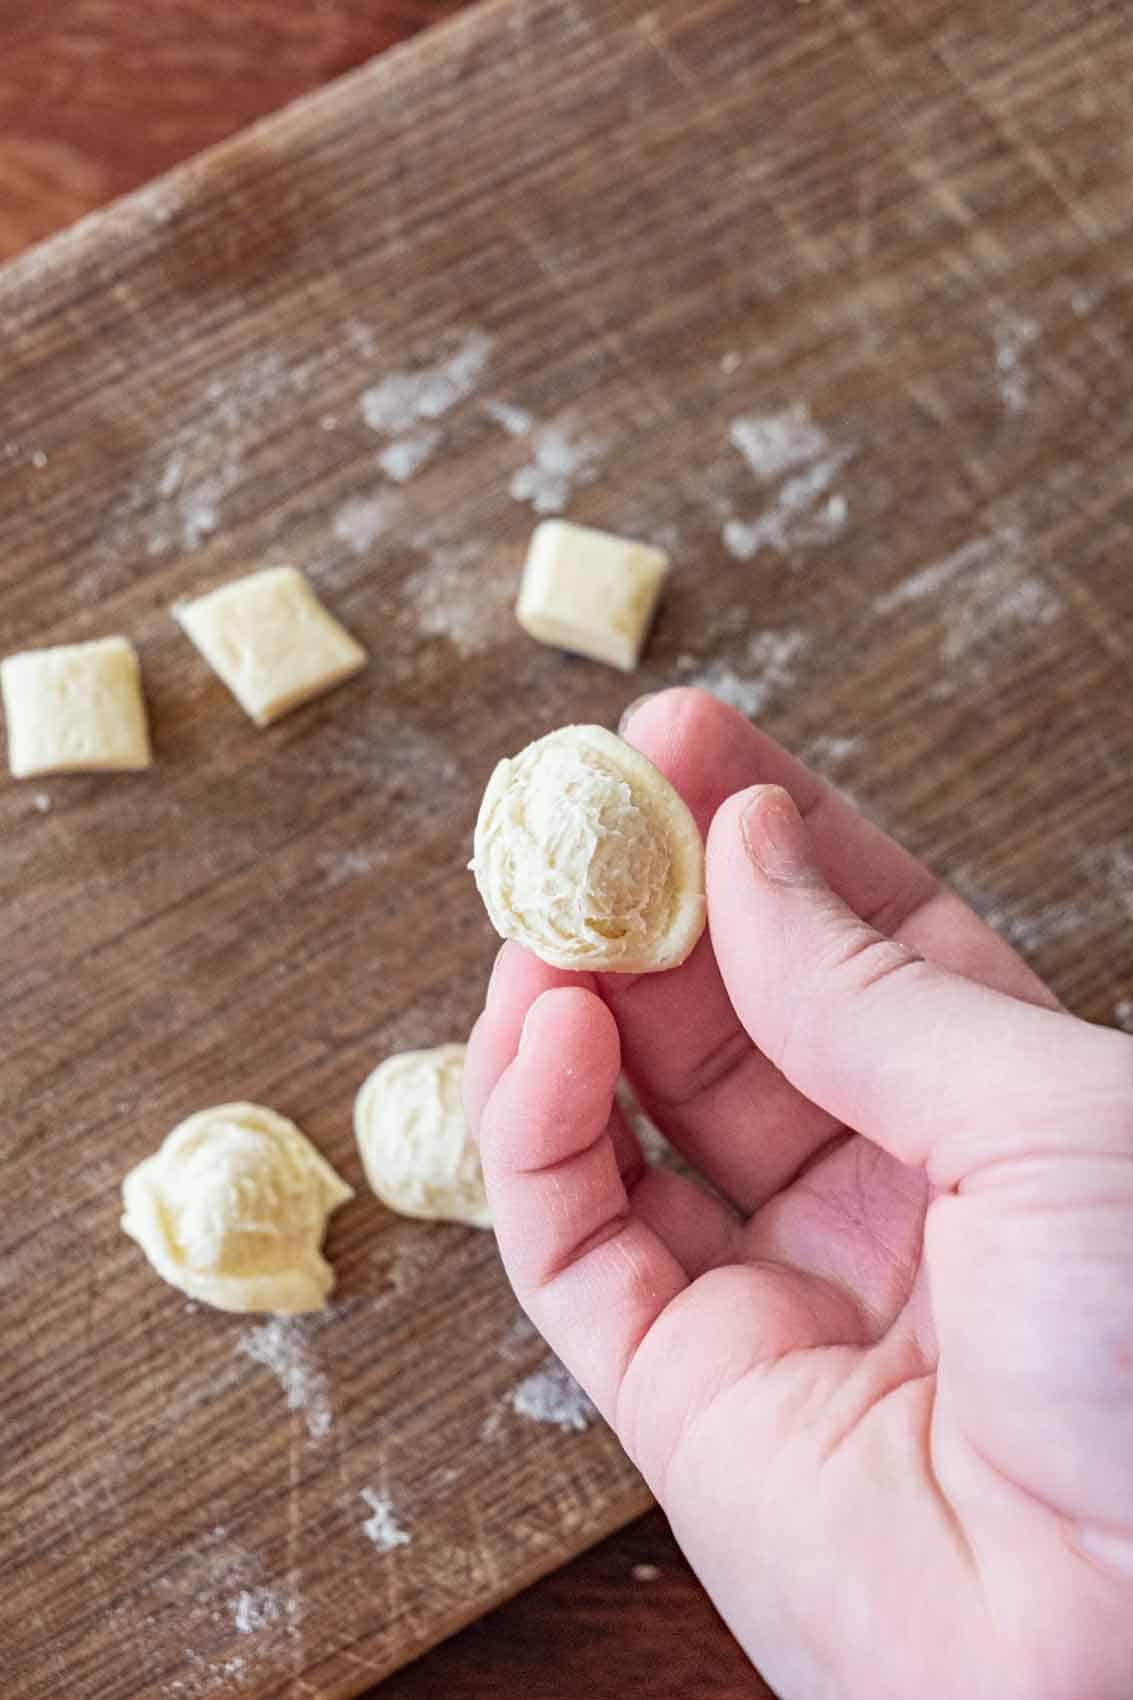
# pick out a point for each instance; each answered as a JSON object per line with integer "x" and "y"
{"x": 99, "y": 96}
{"x": 912, "y": 220}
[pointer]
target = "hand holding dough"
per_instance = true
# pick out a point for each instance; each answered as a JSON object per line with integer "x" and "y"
{"x": 232, "y": 1210}
{"x": 415, "y": 1147}
{"x": 586, "y": 855}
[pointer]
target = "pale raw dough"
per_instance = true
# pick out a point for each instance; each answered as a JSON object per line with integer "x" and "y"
{"x": 590, "y": 592}
{"x": 586, "y": 855}
{"x": 271, "y": 640}
{"x": 232, "y": 1210}
{"x": 415, "y": 1147}
{"x": 75, "y": 708}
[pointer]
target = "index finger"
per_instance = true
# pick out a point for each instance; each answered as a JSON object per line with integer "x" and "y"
{"x": 691, "y": 1061}
{"x": 708, "y": 751}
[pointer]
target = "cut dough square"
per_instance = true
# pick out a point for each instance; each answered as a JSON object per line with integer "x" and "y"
{"x": 271, "y": 640}
{"x": 590, "y": 592}
{"x": 76, "y": 708}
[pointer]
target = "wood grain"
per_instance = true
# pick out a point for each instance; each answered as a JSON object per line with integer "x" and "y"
{"x": 651, "y": 222}
{"x": 628, "y": 1617}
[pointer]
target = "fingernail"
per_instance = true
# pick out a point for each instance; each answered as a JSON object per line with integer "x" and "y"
{"x": 775, "y": 837}
{"x": 493, "y": 990}
{"x": 629, "y": 712}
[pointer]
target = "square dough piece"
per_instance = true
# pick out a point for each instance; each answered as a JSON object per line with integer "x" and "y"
{"x": 271, "y": 640}
{"x": 76, "y": 708}
{"x": 590, "y": 592}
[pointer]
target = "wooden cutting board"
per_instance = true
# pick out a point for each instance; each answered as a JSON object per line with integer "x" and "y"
{"x": 833, "y": 302}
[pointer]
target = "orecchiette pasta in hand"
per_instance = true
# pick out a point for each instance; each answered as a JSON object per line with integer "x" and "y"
{"x": 585, "y": 854}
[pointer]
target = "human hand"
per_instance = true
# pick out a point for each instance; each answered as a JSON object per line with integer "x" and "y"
{"x": 880, "y": 1376}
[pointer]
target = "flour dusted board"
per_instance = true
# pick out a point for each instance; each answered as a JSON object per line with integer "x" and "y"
{"x": 830, "y": 302}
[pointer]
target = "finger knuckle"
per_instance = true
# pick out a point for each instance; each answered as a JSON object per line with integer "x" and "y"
{"x": 867, "y": 959}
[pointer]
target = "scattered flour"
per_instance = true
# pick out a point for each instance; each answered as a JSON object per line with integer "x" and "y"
{"x": 328, "y": 422}
{"x": 200, "y": 509}
{"x": 39, "y": 460}
{"x": 170, "y": 481}
{"x": 202, "y": 459}
{"x": 551, "y": 1395}
{"x": 399, "y": 460}
{"x": 1083, "y": 301}
{"x": 209, "y": 1676}
{"x": 562, "y": 461}
{"x": 796, "y": 515}
{"x": 646, "y": 1573}
{"x": 1123, "y": 1013}
{"x": 1011, "y": 338}
{"x": 516, "y": 421}
{"x": 491, "y": 1427}
{"x": 767, "y": 669}
{"x": 1027, "y": 929}
{"x": 1114, "y": 864}
{"x": 646, "y": 525}
{"x": 338, "y": 867}
{"x": 775, "y": 443}
{"x": 282, "y": 1347}
{"x": 454, "y": 601}
{"x": 403, "y": 399}
{"x": 804, "y": 509}
{"x": 362, "y": 520}
{"x": 519, "y": 1336}
{"x": 217, "y": 1592}
{"x": 382, "y": 1527}
{"x": 1030, "y": 931}
{"x": 926, "y": 581}
{"x": 730, "y": 362}
{"x": 361, "y": 337}
{"x": 827, "y": 753}
{"x": 989, "y": 588}
{"x": 41, "y": 801}
{"x": 660, "y": 534}
{"x": 215, "y": 1562}
{"x": 257, "y": 1608}
{"x": 995, "y": 601}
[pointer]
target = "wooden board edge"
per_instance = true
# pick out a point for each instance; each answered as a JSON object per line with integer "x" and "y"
{"x": 126, "y": 214}
{"x": 444, "y": 1627}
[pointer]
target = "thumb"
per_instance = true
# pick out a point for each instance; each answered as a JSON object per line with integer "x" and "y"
{"x": 1023, "y": 1117}
{"x": 939, "y": 1070}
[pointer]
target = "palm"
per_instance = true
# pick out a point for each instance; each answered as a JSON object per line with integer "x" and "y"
{"x": 806, "y": 1443}
{"x": 854, "y": 1382}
